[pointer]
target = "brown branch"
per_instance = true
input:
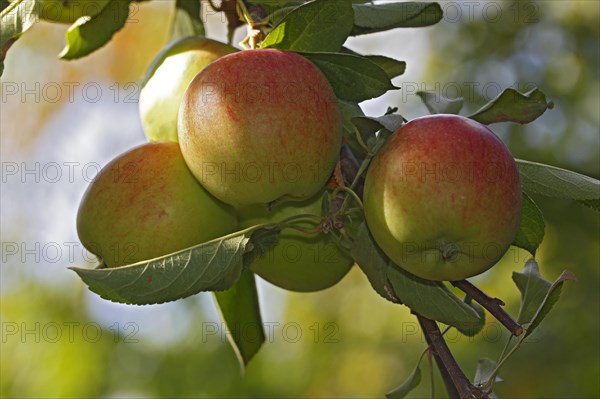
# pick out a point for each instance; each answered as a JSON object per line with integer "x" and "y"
{"x": 457, "y": 384}
{"x": 493, "y": 305}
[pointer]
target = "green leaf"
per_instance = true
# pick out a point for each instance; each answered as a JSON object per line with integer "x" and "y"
{"x": 240, "y": 310}
{"x": 512, "y": 106}
{"x": 319, "y": 25}
{"x": 389, "y": 65}
{"x": 413, "y": 381}
{"x": 550, "y": 181}
{"x": 373, "y": 264}
{"x": 549, "y": 301}
{"x": 348, "y": 111}
{"x": 371, "y": 18}
{"x": 389, "y": 122}
{"x": 531, "y": 226}
{"x": 187, "y": 20}
{"x": 89, "y": 34}
{"x": 353, "y": 78}
{"x": 211, "y": 266}
{"x": 15, "y": 19}
{"x": 437, "y": 104}
{"x": 538, "y": 295}
{"x": 432, "y": 299}
{"x": 485, "y": 371}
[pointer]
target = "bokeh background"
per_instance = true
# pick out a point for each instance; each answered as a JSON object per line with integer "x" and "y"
{"x": 60, "y": 121}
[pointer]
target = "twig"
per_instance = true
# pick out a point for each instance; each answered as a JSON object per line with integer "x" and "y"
{"x": 493, "y": 305}
{"x": 457, "y": 384}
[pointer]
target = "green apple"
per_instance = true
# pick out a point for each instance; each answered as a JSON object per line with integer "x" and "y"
{"x": 68, "y": 11}
{"x": 167, "y": 78}
{"x": 260, "y": 125}
{"x": 442, "y": 198}
{"x": 146, "y": 203}
{"x": 298, "y": 262}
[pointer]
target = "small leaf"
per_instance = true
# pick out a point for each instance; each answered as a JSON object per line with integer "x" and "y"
{"x": 512, "y": 106}
{"x": 187, "y": 20}
{"x": 240, "y": 310}
{"x": 212, "y": 266}
{"x": 349, "y": 110}
{"x": 371, "y": 18}
{"x": 353, "y": 78}
{"x": 550, "y": 181}
{"x": 389, "y": 122}
{"x": 89, "y": 34}
{"x": 551, "y": 298}
{"x": 533, "y": 290}
{"x": 437, "y": 104}
{"x": 538, "y": 295}
{"x": 413, "y": 381}
{"x": 531, "y": 226}
{"x": 389, "y": 65}
{"x": 319, "y": 25}
{"x": 15, "y": 19}
{"x": 485, "y": 371}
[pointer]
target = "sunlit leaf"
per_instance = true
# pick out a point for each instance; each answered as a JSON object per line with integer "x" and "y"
{"x": 211, "y": 266}
{"x": 319, "y": 25}
{"x": 15, "y": 19}
{"x": 89, "y": 34}
{"x": 187, "y": 20}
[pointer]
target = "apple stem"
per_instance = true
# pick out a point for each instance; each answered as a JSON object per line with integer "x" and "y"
{"x": 492, "y": 305}
{"x": 457, "y": 384}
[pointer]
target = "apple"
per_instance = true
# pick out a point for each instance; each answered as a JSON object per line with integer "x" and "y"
{"x": 442, "y": 198}
{"x": 68, "y": 11}
{"x": 167, "y": 78}
{"x": 145, "y": 204}
{"x": 260, "y": 125}
{"x": 298, "y": 262}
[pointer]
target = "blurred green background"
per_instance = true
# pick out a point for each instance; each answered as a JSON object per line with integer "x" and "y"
{"x": 60, "y": 340}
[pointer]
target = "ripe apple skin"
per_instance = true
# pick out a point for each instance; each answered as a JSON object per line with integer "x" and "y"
{"x": 298, "y": 262}
{"x": 442, "y": 198}
{"x": 69, "y": 11}
{"x": 146, "y": 203}
{"x": 167, "y": 78}
{"x": 259, "y": 125}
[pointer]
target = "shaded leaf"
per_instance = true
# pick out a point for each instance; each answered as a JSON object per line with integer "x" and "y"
{"x": 372, "y": 263}
{"x": 531, "y": 226}
{"x": 513, "y": 106}
{"x": 432, "y": 299}
{"x": 319, "y": 25}
{"x": 240, "y": 310}
{"x": 413, "y": 381}
{"x": 371, "y": 18}
{"x": 211, "y": 266}
{"x": 549, "y": 301}
{"x": 485, "y": 371}
{"x": 89, "y": 34}
{"x": 349, "y": 110}
{"x": 15, "y": 19}
{"x": 533, "y": 288}
{"x": 389, "y": 65}
{"x": 353, "y": 78}
{"x": 550, "y": 181}
{"x": 437, "y": 104}
{"x": 389, "y": 122}
{"x": 187, "y": 20}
